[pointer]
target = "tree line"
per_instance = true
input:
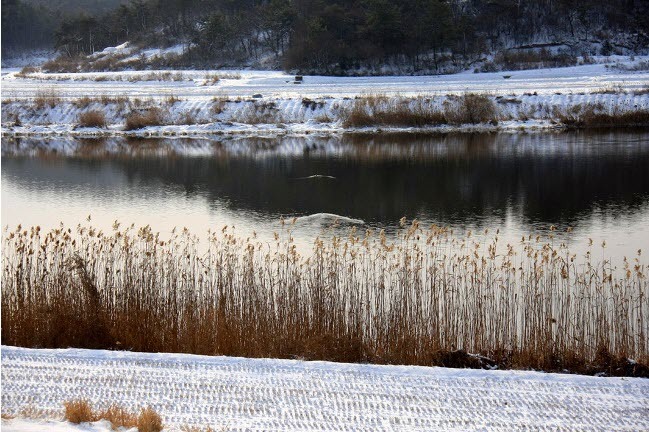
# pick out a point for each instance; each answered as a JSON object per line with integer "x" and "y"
{"x": 326, "y": 35}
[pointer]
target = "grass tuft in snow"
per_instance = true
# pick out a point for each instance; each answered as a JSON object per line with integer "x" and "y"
{"x": 80, "y": 411}
{"x": 93, "y": 118}
{"x": 258, "y": 113}
{"x": 47, "y": 98}
{"x": 118, "y": 417}
{"x": 149, "y": 421}
{"x": 511, "y": 60}
{"x": 144, "y": 118}
{"x": 470, "y": 108}
{"x": 594, "y": 115}
{"x": 379, "y": 110}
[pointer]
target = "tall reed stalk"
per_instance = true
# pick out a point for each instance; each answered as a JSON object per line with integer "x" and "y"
{"x": 411, "y": 298}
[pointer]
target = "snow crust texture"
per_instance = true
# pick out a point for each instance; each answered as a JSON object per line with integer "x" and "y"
{"x": 278, "y": 395}
{"x": 278, "y": 85}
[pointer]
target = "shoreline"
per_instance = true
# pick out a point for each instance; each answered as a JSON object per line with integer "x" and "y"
{"x": 160, "y": 104}
{"x": 373, "y": 114}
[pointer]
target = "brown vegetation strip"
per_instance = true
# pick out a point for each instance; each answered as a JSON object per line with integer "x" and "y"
{"x": 380, "y": 110}
{"x": 93, "y": 118}
{"x": 419, "y": 299}
{"x": 365, "y": 111}
{"x": 80, "y": 411}
{"x": 142, "y": 119}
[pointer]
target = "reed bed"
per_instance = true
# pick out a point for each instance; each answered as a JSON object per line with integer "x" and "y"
{"x": 80, "y": 411}
{"x": 93, "y": 118}
{"x": 381, "y": 110}
{"x": 420, "y": 296}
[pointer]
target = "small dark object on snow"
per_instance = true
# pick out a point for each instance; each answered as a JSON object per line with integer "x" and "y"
{"x": 299, "y": 78}
{"x": 461, "y": 359}
{"x": 257, "y": 96}
{"x": 507, "y": 76}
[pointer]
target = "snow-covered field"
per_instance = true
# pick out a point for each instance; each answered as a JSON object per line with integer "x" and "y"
{"x": 527, "y": 99}
{"x": 264, "y": 394}
{"x": 278, "y": 85}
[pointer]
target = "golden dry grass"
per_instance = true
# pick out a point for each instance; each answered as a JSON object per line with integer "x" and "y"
{"x": 414, "y": 299}
{"x": 47, "y": 98}
{"x": 594, "y": 115}
{"x": 119, "y": 417}
{"x": 92, "y": 118}
{"x": 143, "y": 118}
{"x": 62, "y": 64}
{"x": 470, "y": 108}
{"x": 379, "y": 110}
{"x": 149, "y": 421}
{"x": 84, "y": 102}
{"x": 257, "y": 113}
{"x": 171, "y": 100}
{"x": 79, "y": 411}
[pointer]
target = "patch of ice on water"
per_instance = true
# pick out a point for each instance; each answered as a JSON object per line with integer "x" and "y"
{"x": 329, "y": 218}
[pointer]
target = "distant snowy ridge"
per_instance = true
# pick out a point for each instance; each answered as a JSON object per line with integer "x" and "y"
{"x": 238, "y": 394}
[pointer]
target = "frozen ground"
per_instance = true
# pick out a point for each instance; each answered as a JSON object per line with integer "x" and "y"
{"x": 279, "y": 85}
{"x": 264, "y": 395}
{"x": 35, "y": 425}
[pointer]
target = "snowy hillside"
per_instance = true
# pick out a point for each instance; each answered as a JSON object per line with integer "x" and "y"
{"x": 263, "y": 395}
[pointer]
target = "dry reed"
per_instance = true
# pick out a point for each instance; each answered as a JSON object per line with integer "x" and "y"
{"x": 92, "y": 118}
{"x": 257, "y": 113}
{"x": 378, "y": 110}
{"x": 595, "y": 115}
{"x": 470, "y": 108}
{"x": 426, "y": 296}
{"x": 143, "y": 118}
{"x": 47, "y": 98}
{"x": 80, "y": 411}
{"x": 149, "y": 421}
{"x": 119, "y": 417}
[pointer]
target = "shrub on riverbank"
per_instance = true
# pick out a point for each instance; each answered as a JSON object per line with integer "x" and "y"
{"x": 378, "y": 110}
{"x": 141, "y": 119}
{"x": 373, "y": 111}
{"x": 49, "y": 98}
{"x": 594, "y": 115}
{"x": 470, "y": 108}
{"x": 93, "y": 118}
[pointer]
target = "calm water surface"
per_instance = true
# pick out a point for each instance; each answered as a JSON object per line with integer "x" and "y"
{"x": 595, "y": 183}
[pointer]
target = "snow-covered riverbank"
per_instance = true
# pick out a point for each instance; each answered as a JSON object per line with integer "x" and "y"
{"x": 264, "y": 394}
{"x": 269, "y": 103}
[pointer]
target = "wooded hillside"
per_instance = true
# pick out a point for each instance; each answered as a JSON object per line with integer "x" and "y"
{"x": 330, "y": 36}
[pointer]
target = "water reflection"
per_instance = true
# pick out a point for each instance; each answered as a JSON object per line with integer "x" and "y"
{"x": 595, "y": 182}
